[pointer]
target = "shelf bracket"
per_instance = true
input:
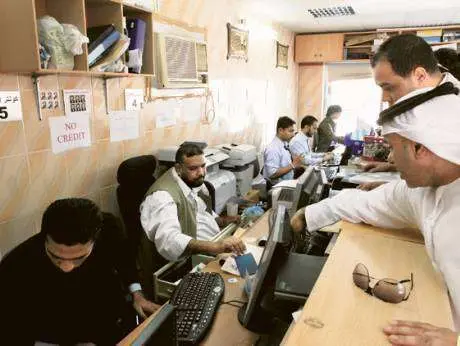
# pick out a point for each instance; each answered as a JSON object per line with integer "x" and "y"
{"x": 106, "y": 95}
{"x": 36, "y": 82}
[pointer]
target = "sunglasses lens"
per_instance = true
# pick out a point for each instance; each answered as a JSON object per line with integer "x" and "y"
{"x": 389, "y": 290}
{"x": 361, "y": 276}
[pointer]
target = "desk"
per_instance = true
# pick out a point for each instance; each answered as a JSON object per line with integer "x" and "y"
{"x": 350, "y": 316}
{"x": 226, "y": 330}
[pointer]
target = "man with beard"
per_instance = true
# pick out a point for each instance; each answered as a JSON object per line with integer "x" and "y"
{"x": 299, "y": 145}
{"x": 176, "y": 214}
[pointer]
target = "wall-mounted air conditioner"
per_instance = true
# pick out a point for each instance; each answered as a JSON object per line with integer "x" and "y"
{"x": 181, "y": 62}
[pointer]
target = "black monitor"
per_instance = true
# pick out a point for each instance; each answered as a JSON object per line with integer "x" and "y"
{"x": 308, "y": 189}
{"x": 161, "y": 330}
{"x": 252, "y": 315}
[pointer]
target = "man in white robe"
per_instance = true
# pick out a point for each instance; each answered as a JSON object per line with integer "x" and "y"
{"x": 425, "y": 144}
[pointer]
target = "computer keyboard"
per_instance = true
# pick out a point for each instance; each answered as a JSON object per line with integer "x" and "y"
{"x": 196, "y": 300}
{"x": 331, "y": 172}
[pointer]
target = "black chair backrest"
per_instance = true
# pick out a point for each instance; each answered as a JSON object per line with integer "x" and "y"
{"x": 135, "y": 176}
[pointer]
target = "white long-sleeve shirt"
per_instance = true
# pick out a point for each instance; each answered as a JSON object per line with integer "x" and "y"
{"x": 160, "y": 221}
{"x": 299, "y": 145}
{"x": 435, "y": 211}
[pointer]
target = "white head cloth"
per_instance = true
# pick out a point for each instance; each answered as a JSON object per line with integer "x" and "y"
{"x": 435, "y": 124}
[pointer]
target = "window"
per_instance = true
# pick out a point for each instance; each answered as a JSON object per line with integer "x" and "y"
{"x": 360, "y": 102}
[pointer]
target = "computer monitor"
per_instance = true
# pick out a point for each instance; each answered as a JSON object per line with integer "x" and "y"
{"x": 252, "y": 315}
{"x": 307, "y": 188}
{"x": 161, "y": 330}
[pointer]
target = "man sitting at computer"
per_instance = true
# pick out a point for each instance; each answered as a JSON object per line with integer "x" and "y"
{"x": 300, "y": 146}
{"x": 278, "y": 164}
{"x": 176, "y": 214}
{"x": 67, "y": 284}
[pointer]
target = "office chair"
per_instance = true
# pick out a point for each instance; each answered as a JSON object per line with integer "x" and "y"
{"x": 212, "y": 194}
{"x": 135, "y": 176}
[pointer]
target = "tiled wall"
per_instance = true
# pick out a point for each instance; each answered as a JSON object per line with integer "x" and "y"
{"x": 31, "y": 176}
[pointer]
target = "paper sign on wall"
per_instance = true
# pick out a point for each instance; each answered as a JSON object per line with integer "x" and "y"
{"x": 10, "y": 106}
{"x": 191, "y": 110}
{"x": 49, "y": 99}
{"x": 69, "y": 132}
{"x": 77, "y": 101}
{"x": 164, "y": 113}
{"x": 134, "y": 98}
{"x": 124, "y": 125}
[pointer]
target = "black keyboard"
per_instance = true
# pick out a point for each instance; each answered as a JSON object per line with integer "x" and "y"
{"x": 196, "y": 300}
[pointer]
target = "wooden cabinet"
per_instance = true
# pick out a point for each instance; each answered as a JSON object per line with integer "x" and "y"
{"x": 311, "y": 88}
{"x": 318, "y": 48}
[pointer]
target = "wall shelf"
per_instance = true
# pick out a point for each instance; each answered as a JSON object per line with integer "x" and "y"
{"x": 21, "y": 17}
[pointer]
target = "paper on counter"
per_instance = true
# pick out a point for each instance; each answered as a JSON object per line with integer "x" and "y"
{"x": 230, "y": 265}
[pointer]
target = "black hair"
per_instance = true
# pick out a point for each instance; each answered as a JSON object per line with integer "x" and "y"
{"x": 405, "y": 53}
{"x": 333, "y": 109}
{"x": 72, "y": 221}
{"x": 449, "y": 60}
{"x": 308, "y": 121}
{"x": 187, "y": 150}
{"x": 284, "y": 123}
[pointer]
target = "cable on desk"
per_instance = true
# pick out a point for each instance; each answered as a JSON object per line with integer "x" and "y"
{"x": 229, "y": 302}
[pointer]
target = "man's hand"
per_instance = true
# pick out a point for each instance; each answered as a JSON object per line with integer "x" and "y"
{"x": 373, "y": 167}
{"x": 297, "y": 161}
{"x": 408, "y": 333}
{"x": 143, "y": 306}
{"x": 370, "y": 186}
{"x": 298, "y": 222}
{"x": 328, "y": 156}
{"x": 223, "y": 221}
{"x": 230, "y": 244}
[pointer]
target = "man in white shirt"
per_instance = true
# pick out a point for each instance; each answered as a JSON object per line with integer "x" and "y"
{"x": 278, "y": 164}
{"x": 426, "y": 151}
{"x": 300, "y": 144}
{"x": 176, "y": 213}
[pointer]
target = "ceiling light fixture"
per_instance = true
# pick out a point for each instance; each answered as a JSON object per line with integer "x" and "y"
{"x": 334, "y": 11}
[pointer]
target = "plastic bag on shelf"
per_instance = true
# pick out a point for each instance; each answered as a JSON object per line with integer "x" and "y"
{"x": 74, "y": 39}
{"x": 60, "y": 41}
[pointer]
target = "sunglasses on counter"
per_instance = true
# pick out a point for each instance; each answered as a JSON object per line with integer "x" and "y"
{"x": 388, "y": 290}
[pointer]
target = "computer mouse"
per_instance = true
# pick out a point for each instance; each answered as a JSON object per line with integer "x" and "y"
{"x": 262, "y": 241}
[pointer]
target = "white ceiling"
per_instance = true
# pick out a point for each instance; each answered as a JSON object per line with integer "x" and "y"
{"x": 370, "y": 14}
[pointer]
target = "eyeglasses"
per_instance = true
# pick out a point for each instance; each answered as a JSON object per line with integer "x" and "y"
{"x": 388, "y": 290}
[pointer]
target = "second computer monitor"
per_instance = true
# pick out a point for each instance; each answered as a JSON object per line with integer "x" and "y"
{"x": 306, "y": 189}
{"x": 160, "y": 330}
{"x": 252, "y": 315}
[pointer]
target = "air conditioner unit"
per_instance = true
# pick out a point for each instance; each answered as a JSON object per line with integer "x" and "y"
{"x": 181, "y": 62}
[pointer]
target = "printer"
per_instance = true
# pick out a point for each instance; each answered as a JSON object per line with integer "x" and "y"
{"x": 223, "y": 182}
{"x": 241, "y": 163}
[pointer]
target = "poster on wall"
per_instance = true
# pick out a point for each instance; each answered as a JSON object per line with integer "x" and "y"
{"x": 134, "y": 99}
{"x": 10, "y": 106}
{"x": 77, "y": 101}
{"x": 124, "y": 125}
{"x": 70, "y": 132}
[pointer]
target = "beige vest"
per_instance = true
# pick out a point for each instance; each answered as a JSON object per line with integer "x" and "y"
{"x": 186, "y": 210}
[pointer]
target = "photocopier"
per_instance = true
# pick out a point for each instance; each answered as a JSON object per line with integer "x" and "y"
{"x": 223, "y": 181}
{"x": 241, "y": 162}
